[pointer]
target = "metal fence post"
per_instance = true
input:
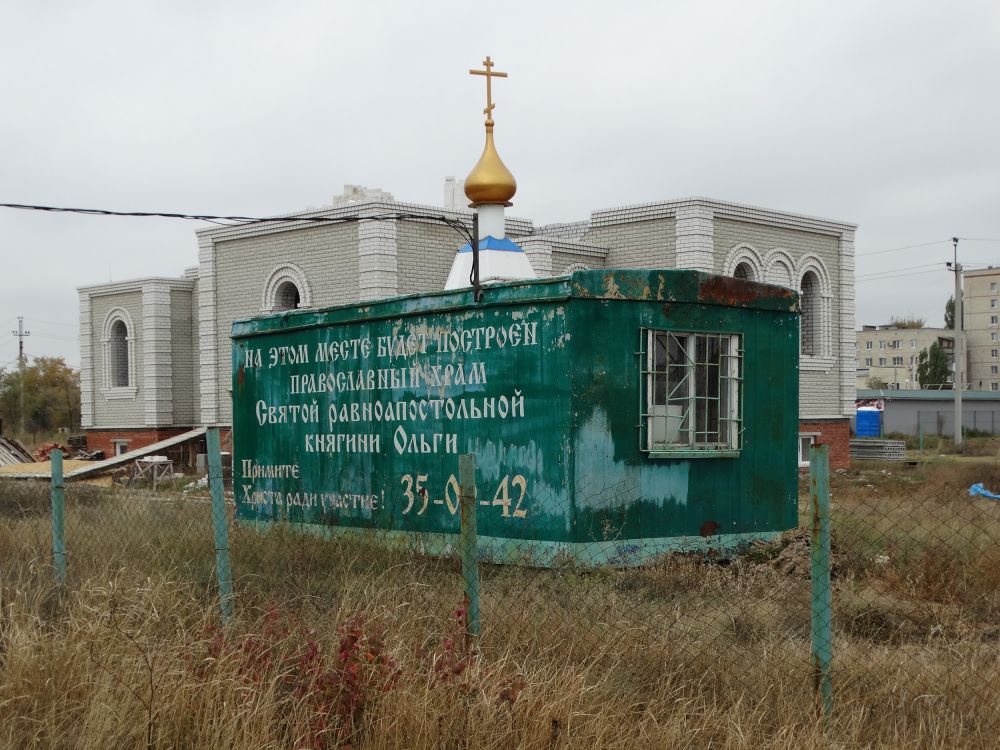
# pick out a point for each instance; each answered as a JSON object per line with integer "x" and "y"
{"x": 469, "y": 540}
{"x": 220, "y": 524}
{"x": 819, "y": 566}
{"x": 58, "y": 518}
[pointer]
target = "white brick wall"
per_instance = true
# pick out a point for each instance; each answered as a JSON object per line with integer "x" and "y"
{"x": 183, "y": 349}
{"x": 822, "y": 384}
{"x": 183, "y": 361}
{"x": 377, "y": 271}
{"x": 118, "y": 412}
{"x": 641, "y": 243}
{"x": 157, "y": 370}
{"x": 427, "y": 252}
{"x": 86, "y": 362}
{"x": 847, "y": 354}
{"x": 208, "y": 334}
{"x": 326, "y": 253}
{"x": 695, "y": 243}
{"x": 539, "y": 254}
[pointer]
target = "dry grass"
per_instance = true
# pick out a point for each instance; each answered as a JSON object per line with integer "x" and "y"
{"x": 341, "y": 644}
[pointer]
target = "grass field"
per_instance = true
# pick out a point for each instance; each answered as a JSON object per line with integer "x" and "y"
{"x": 343, "y": 644}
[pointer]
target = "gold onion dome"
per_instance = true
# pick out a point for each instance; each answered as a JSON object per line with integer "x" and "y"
{"x": 490, "y": 181}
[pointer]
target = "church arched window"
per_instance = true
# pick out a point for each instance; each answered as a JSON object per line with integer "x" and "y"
{"x": 118, "y": 348}
{"x": 815, "y": 300}
{"x": 286, "y": 289}
{"x": 286, "y": 296}
{"x": 744, "y": 271}
{"x": 810, "y": 333}
{"x": 743, "y": 262}
{"x": 118, "y": 354}
{"x": 779, "y": 268}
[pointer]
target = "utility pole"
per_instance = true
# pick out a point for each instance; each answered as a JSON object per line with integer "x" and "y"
{"x": 959, "y": 348}
{"x": 21, "y": 333}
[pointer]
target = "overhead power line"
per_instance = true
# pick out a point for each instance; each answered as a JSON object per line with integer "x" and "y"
{"x": 902, "y": 268}
{"x": 904, "y": 247}
{"x": 55, "y": 323}
{"x": 457, "y": 224}
{"x": 896, "y": 276}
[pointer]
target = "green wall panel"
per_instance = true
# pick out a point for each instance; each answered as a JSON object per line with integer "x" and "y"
{"x": 353, "y": 418}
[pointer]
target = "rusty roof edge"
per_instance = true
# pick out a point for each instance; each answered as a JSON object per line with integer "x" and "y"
{"x": 549, "y": 289}
{"x": 682, "y": 286}
{"x": 666, "y": 285}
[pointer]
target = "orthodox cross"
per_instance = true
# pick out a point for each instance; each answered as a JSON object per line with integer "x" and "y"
{"x": 489, "y": 73}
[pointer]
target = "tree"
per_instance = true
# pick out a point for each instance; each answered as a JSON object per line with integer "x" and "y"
{"x": 932, "y": 367}
{"x": 949, "y": 312}
{"x": 907, "y": 321}
{"x": 49, "y": 391}
{"x": 876, "y": 384}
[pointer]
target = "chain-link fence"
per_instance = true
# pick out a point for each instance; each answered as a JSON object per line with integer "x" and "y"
{"x": 325, "y": 637}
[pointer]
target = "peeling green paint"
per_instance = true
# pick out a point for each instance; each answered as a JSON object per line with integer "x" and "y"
{"x": 561, "y": 478}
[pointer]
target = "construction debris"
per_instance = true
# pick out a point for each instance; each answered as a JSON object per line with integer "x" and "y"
{"x": 42, "y": 453}
{"x": 12, "y": 452}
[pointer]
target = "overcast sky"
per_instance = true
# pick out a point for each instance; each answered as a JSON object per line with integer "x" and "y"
{"x": 877, "y": 113}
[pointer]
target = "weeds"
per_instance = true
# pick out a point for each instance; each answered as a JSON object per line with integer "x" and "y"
{"x": 342, "y": 643}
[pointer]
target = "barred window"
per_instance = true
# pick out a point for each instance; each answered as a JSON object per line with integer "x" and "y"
{"x": 693, "y": 390}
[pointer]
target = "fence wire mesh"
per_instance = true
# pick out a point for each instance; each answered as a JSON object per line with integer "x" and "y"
{"x": 362, "y": 639}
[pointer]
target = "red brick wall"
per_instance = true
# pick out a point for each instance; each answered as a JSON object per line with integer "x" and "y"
{"x": 837, "y": 434}
{"x": 183, "y": 455}
{"x": 102, "y": 440}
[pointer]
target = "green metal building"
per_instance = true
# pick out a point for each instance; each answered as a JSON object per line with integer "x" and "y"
{"x": 614, "y": 416}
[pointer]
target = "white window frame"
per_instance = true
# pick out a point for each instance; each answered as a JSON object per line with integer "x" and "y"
{"x": 779, "y": 268}
{"x": 822, "y": 359}
{"x": 748, "y": 256}
{"x": 868, "y": 345}
{"x": 804, "y": 459}
{"x": 281, "y": 274}
{"x": 112, "y": 392}
{"x": 668, "y": 434}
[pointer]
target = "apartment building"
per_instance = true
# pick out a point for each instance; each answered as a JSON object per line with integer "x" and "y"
{"x": 890, "y": 353}
{"x": 982, "y": 339}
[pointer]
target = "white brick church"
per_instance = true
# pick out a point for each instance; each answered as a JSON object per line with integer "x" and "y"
{"x": 155, "y": 352}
